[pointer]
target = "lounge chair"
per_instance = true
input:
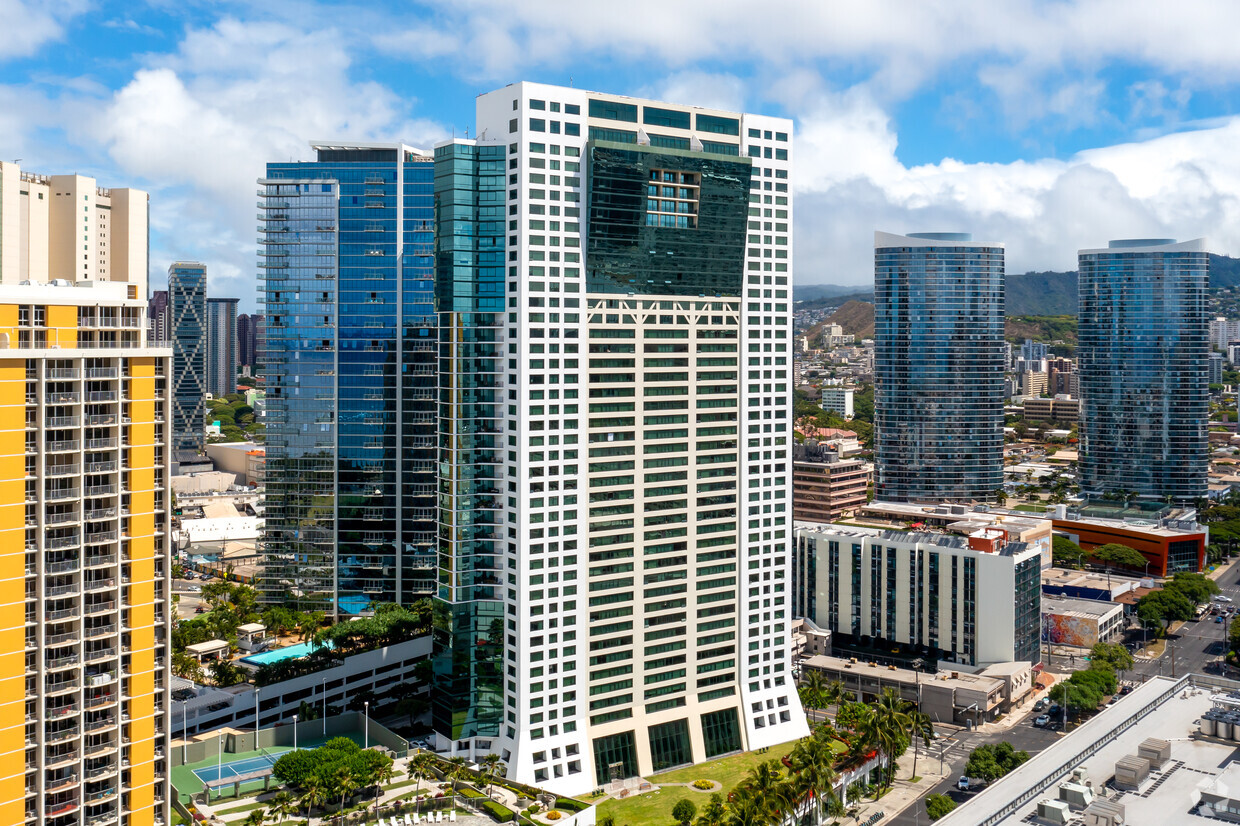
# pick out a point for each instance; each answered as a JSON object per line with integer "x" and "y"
{"x": 409, "y": 822}
{"x": 452, "y": 816}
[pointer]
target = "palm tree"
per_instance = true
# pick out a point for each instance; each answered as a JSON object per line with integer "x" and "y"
{"x": 345, "y": 783}
{"x": 255, "y": 818}
{"x": 384, "y": 773}
{"x": 713, "y": 813}
{"x": 281, "y": 806}
{"x": 813, "y": 689}
{"x": 313, "y": 793}
{"x": 887, "y": 726}
{"x": 491, "y": 764}
{"x": 745, "y": 809}
{"x": 420, "y": 769}
{"x": 456, "y": 770}
{"x": 765, "y": 784}
{"x": 813, "y": 764}
{"x": 920, "y": 726}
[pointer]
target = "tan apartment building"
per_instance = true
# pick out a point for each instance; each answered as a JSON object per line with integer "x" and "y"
{"x": 1059, "y": 409}
{"x": 84, "y": 466}
{"x": 826, "y": 487}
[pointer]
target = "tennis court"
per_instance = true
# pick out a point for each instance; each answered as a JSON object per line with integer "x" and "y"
{"x": 247, "y": 768}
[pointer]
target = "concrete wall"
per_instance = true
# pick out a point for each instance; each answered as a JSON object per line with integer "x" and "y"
{"x": 281, "y": 735}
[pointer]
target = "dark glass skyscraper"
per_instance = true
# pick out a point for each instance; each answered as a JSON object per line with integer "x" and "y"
{"x": 938, "y": 367}
{"x": 1144, "y": 347}
{"x": 221, "y": 346}
{"x": 350, "y": 367}
{"x": 187, "y": 313}
{"x": 470, "y": 187}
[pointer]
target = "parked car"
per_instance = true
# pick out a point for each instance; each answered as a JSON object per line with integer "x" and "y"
{"x": 1042, "y": 720}
{"x": 200, "y": 610}
{"x": 1041, "y": 704}
{"x": 1125, "y": 691}
{"x": 1218, "y": 619}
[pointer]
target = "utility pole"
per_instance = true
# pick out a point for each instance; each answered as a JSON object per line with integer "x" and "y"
{"x": 1171, "y": 646}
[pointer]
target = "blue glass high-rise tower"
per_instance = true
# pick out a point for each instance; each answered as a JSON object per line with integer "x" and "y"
{"x": 350, "y": 367}
{"x": 187, "y": 314}
{"x": 938, "y": 367}
{"x": 1144, "y": 346}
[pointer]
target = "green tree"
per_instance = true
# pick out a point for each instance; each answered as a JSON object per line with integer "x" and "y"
{"x": 889, "y": 725}
{"x": 921, "y": 727}
{"x": 281, "y": 806}
{"x": 420, "y": 769}
{"x": 852, "y": 716}
{"x": 813, "y": 764}
{"x": 345, "y": 783}
{"x": 490, "y": 765}
{"x": 713, "y": 813}
{"x": 1117, "y": 555}
{"x": 684, "y": 811}
{"x": 994, "y": 760}
{"x": 1196, "y": 587}
{"x": 1113, "y": 655}
{"x": 1158, "y": 608}
{"x": 765, "y": 786}
{"x": 813, "y": 689}
{"x": 225, "y": 673}
{"x": 1065, "y": 553}
{"x": 938, "y": 805}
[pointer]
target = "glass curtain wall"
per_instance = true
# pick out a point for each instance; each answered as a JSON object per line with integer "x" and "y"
{"x": 468, "y": 700}
{"x": 938, "y": 369}
{"x": 350, "y": 365}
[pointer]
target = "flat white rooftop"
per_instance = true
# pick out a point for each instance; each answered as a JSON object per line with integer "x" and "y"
{"x": 1161, "y": 708}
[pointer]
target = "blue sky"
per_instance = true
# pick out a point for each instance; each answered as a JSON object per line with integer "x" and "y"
{"x": 1048, "y": 126}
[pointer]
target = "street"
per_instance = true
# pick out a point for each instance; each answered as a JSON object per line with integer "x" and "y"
{"x": 956, "y": 753}
{"x": 1197, "y": 647}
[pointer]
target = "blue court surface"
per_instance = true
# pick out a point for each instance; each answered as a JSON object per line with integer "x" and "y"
{"x": 213, "y": 775}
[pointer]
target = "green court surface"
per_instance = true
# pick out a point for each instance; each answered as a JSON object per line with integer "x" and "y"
{"x": 187, "y": 783}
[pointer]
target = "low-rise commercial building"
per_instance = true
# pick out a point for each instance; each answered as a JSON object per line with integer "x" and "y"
{"x": 946, "y": 696}
{"x": 1171, "y": 541}
{"x": 824, "y": 486}
{"x": 972, "y": 600}
{"x": 1080, "y": 623}
{"x": 1069, "y": 583}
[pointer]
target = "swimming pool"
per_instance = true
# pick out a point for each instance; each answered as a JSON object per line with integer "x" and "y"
{"x": 275, "y": 655}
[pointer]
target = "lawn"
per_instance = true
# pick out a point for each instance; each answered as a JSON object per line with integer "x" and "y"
{"x": 655, "y": 808}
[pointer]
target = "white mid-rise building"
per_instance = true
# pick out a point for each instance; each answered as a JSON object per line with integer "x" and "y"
{"x": 974, "y": 601}
{"x": 647, "y": 491}
{"x": 838, "y": 399}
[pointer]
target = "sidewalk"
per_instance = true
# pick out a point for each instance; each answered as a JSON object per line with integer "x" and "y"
{"x": 904, "y": 794}
{"x": 1018, "y": 712}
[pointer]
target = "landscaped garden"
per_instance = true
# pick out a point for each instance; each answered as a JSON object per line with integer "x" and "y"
{"x": 765, "y": 786}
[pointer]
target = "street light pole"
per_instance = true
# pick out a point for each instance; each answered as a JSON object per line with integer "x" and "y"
{"x": 366, "y": 712}
{"x": 294, "y": 732}
{"x": 324, "y": 683}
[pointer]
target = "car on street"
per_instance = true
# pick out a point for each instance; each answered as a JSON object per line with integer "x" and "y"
{"x": 199, "y": 610}
{"x": 1041, "y": 705}
{"x": 963, "y": 784}
{"x": 1221, "y": 598}
{"x": 1042, "y": 720}
{"x": 195, "y": 589}
{"x": 1218, "y": 619}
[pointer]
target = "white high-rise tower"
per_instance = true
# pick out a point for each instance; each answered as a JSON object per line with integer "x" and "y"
{"x": 646, "y": 491}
